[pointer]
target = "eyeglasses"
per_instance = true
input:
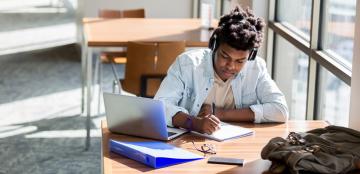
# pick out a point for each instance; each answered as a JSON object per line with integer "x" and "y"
{"x": 205, "y": 148}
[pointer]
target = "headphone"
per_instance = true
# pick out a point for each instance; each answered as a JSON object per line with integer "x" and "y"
{"x": 213, "y": 45}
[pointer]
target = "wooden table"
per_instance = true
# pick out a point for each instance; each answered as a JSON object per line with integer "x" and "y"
{"x": 248, "y": 148}
{"x": 103, "y": 33}
{"x": 117, "y": 32}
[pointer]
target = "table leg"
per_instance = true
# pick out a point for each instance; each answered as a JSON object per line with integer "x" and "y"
{"x": 88, "y": 96}
{"x": 83, "y": 76}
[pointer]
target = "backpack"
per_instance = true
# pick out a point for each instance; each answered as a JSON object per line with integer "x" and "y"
{"x": 332, "y": 149}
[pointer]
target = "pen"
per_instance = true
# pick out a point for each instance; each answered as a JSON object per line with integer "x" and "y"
{"x": 213, "y": 111}
{"x": 213, "y": 108}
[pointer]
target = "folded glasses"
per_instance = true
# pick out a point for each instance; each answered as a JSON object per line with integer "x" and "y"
{"x": 205, "y": 148}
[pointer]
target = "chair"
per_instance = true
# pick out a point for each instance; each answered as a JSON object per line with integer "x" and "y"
{"x": 167, "y": 52}
{"x": 132, "y": 13}
{"x": 118, "y": 57}
{"x": 109, "y": 14}
{"x": 147, "y": 65}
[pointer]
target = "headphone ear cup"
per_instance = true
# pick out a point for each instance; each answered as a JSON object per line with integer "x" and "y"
{"x": 212, "y": 42}
{"x": 214, "y": 45}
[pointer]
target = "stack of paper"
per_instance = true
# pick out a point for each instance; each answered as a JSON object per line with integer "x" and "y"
{"x": 154, "y": 154}
{"x": 227, "y": 131}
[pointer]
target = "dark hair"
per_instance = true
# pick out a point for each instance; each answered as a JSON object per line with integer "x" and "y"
{"x": 240, "y": 29}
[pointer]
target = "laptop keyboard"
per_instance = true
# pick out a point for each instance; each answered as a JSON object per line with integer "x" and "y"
{"x": 171, "y": 134}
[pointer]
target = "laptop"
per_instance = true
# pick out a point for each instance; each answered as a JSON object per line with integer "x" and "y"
{"x": 137, "y": 116}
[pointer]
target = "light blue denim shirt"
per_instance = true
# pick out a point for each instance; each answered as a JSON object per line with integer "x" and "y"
{"x": 191, "y": 76}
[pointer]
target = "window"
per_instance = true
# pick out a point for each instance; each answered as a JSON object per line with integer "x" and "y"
{"x": 313, "y": 70}
{"x": 339, "y": 26}
{"x": 334, "y": 99}
{"x": 295, "y": 15}
{"x": 291, "y": 76}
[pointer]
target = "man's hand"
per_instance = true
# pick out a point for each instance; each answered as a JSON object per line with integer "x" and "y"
{"x": 205, "y": 110}
{"x": 207, "y": 124}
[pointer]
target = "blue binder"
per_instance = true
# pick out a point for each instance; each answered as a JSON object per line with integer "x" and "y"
{"x": 154, "y": 154}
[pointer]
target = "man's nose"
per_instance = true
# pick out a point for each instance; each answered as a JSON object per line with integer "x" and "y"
{"x": 230, "y": 65}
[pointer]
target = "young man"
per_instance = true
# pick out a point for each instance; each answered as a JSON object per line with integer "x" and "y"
{"x": 226, "y": 82}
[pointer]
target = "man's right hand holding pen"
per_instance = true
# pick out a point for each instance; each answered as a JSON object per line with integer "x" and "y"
{"x": 206, "y": 121}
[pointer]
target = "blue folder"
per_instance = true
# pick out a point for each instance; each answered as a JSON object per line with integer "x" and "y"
{"x": 153, "y": 153}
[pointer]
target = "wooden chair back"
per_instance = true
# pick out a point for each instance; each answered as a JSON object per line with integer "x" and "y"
{"x": 168, "y": 51}
{"x": 108, "y": 13}
{"x": 140, "y": 60}
{"x": 147, "y": 65}
{"x": 131, "y": 13}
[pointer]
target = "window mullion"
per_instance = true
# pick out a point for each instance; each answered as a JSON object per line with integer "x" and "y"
{"x": 270, "y": 39}
{"x": 354, "y": 120}
{"x": 312, "y": 71}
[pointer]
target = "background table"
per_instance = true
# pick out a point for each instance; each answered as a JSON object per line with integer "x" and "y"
{"x": 117, "y": 32}
{"x": 247, "y": 148}
{"x": 104, "y": 33}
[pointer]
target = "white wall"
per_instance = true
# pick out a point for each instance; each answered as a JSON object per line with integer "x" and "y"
{"x": 354, "y": 120}
{"x": 261, "y": 9}
{"x": 153, "y": 8}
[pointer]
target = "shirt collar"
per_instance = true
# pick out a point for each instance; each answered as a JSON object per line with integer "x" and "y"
{"x": 220, "y": 81}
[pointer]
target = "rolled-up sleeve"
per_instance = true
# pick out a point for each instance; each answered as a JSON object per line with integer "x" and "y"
{"x": 171, "y": 92}
{"x": 272, "y": 105}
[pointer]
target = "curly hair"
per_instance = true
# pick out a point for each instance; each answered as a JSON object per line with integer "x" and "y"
{"x": 240, "y": 29}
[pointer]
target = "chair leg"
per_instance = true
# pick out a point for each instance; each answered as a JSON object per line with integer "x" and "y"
{"x": 116, "y": 83}
{"x": 115, "y": 86}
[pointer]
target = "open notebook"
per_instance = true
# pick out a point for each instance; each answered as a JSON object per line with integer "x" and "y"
{"x": 227, "y": 131}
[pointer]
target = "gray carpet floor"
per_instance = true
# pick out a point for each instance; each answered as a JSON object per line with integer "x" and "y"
{"x": 41, "y": 130}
